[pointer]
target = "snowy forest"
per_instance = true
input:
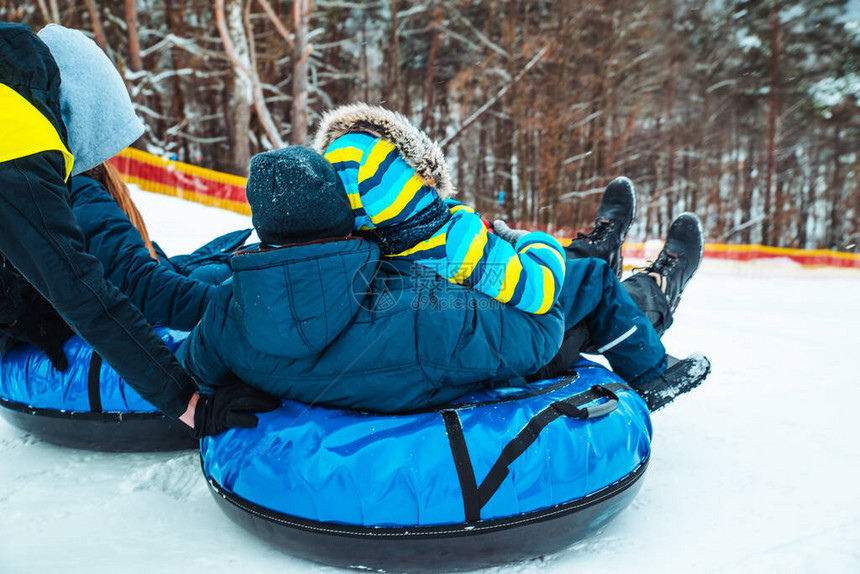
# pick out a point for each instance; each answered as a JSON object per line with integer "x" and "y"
{"x": 743, "y": 111}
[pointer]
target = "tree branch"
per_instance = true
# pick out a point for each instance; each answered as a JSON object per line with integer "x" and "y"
{"x": 97, "y": 25}
{"x": 259, "y": 99}
{"x": 747, "y": 224}
{"x": 248, "y": 69}
{"x": 492, "y": 101}
{"x": 279, "y": 26}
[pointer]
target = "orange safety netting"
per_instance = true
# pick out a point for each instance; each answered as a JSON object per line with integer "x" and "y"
{"x": 817, "y": 257}
{"x": 159, "y": 175}
{"x": 209, "y": 187}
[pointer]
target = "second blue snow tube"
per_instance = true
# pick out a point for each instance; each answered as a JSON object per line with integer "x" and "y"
{"x": 86, "y": 406}
{"x": 500, "y": 475}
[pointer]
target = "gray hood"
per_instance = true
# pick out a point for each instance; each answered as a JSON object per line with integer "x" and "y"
{"x": 95, "y": 104}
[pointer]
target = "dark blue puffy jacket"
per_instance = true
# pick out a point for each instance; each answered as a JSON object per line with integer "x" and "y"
{"x": 327, "y": 323}
{"x": 158, "y": 288}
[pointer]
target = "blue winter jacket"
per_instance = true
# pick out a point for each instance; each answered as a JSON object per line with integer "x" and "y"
{"x": 328, "y": 323}
{"x": 164, "y": 296}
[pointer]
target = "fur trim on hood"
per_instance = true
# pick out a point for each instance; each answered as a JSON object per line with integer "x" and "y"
{"x": 422, "y": 153}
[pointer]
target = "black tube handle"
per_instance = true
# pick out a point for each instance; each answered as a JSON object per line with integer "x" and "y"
{"x": 600, "y": 410}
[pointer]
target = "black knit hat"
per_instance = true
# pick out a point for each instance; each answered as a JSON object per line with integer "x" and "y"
{"x": 296, "y": 196}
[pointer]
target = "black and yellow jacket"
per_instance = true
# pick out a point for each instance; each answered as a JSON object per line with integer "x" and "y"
{"x": 39, "y": 234}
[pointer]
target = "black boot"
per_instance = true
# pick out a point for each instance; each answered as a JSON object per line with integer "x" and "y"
{"x": 614, "y": 217}
{"x": 680, "y": 258}
{"x": 682, "y": 376}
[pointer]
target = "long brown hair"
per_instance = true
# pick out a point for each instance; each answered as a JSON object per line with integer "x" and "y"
{"x": 109, "y": 177}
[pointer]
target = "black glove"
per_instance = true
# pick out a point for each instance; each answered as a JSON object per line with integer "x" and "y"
{"x": 40, "y": 325}
{"x": 501, "y": 229}
{"x": 231, "y": 406}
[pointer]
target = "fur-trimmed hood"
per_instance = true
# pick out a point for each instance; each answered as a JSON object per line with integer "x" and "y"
{"x": 422, "y": 153}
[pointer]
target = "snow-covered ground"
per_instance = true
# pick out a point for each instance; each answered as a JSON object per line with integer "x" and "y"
{"x": 756, "y": 471}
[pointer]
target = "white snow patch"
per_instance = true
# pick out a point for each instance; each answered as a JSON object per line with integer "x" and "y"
{"x": 831, "y": 92}
{"x": 180, "y": 226}
{"x": 747, "y": 41}
{"x": 178, "y": 478}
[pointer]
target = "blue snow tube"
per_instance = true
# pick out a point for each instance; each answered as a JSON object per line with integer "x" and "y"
{"x": 86, "y": 406}
{"x": 500, "y": 475}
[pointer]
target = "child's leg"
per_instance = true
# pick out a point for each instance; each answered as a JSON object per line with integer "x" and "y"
{"x": 657, "y": 288}
{"x": 619, "y": 330}
{"x": 643, "y": 290}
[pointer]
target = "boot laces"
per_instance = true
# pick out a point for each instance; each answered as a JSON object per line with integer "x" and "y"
{"x": 665, "y": 263}
{"x": 663, "y": 266}
{"x": 602, "y": 228}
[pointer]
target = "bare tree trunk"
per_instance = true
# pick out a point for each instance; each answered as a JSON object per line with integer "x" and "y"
{"x": 703, "y": 171}
{"x": 670, "y": 160}
{"x": 246, "y": 86}
{"x": 46, "y": 12}
{"x": 393, "y": 84}
{"x": 621, "y": 140}
{"x": 766, "y": 228}
{"x": 301, "y": 52}
{"x": 854, "y": 199}
{"x": 807, "y": 198}
{"x": 426, "y": 122}
{"x": 483, "y": 179}
{"x": 834, "y": 226}
{"x": 55, "y": 12}
{"x": 276, "y": 22}
{"x": 364, "y": 64}
{"x": 780, "y": 213}
{"x": 134, "y": 60}
{"x": 97, "y": 24}
{"x": 176, "y": 25}
{"x": 746, "y": 198}
{"x": 230, "y": 26}
{"x": 803, "y": 216}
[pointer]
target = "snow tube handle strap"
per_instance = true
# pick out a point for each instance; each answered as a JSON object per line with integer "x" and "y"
{"x": 610, "y": 404}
